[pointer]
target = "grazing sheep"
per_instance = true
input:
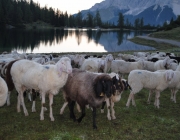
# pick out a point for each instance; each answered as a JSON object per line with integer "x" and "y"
{"x": 47, "y": 79}
{"x": 156, "y": 81}
{"x": 87, "y": 88}
{"x": 3, "y": 92}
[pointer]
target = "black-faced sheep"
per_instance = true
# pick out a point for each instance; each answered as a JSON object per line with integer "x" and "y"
{"x": 87, "y": 88}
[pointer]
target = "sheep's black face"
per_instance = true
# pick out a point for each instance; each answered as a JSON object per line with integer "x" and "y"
{"x": 117, "y": 85}
{"x": 108, "y": 88}
{"x": 103, "y": 87}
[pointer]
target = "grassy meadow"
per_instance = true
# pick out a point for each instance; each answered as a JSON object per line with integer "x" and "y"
{"x": 143, "y": 122}
{"x": 173, "y": 34}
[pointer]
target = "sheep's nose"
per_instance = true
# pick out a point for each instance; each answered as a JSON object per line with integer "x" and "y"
{"x": 69, "y": 71}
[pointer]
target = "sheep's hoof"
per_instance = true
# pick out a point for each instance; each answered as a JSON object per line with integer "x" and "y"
{"x": 102, "y": 110}
{"x": 109, "y": 118}
{"x": 79, "y": 120}
{"x": 42, "y": 118}
{"x": 114, "y": 118}
{"x": 45, "y": 109}
{"x": 33, "y": 110}
{"x": 26, "y": 114}
{"x": 52, "y": 119}
{"x": 94, "y": 127}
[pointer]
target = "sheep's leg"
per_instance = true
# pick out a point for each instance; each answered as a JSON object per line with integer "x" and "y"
{"x": 29, "y": 95}
{"x": 8, "y": 98}
{"x": 174, "y": 99}
{"x": 108, "y": 109}
{"x": 34, "y": 102}
{"x": 71, "y": 108}
{"x": 78, "y": 107}
{"x": 82, "y": 114}
{"x": 23, "y": 104}
{"x": 112, "y": 110}
{"x": 63, "y": 107}
{"x": 18, "y": 103}
{"x": 102, "y": 107}
{"x": 150, "y": 95}
{"x": 50, "y": 106}
{"x": 133, "y": 101}
{"x": 129, "y": 99}
{"x": 172, "y": 94}
{"x": 42, "y": 106}
{"x": 94, "y": 118}
{"x": 157, "y": 99}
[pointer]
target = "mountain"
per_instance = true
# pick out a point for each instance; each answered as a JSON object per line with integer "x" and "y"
{"x": 154, "y": 12}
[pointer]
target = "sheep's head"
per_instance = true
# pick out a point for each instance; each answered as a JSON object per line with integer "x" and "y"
{"x": 118, "y": 86}
{"x": 64, "y": 65}
{"x": 103, "y": 86}
{"x": 169, "y": 75}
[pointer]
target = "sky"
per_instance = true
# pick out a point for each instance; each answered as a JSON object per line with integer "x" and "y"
{"x": 71, "y": 6}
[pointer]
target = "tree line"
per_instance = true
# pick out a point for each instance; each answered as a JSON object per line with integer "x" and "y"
{"x": 20, "y": 12}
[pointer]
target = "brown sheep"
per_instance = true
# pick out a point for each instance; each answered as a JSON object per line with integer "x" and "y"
{"x": 87, "y": 88}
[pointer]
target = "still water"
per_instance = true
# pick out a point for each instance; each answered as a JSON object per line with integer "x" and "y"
{"x": 69, "y": 40}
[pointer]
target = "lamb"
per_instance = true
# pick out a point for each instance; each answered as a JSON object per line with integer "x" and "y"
{"x": 87, "y": 88}
{"x": 157, "y": 81}
{"x": 26, "y": 74}
{"x": 3, "y": 92}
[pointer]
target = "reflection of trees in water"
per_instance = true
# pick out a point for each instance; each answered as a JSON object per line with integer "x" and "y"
{"x": 89, "y": 35}
{"x": 120, "y": 37}
{"x": 78, "y": 36}
{"x": 29, "y": 39}
{"x": 97, "y": 36}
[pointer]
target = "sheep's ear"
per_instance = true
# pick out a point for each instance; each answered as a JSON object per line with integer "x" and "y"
{"x": 59, "y": 68}
{"x": 98, "y": 88}
{"x": 114, "y": 79}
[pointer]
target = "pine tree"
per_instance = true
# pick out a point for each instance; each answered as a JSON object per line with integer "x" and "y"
{"x": 121, "y": 21}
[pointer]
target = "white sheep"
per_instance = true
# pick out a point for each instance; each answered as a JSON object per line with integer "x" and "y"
{"x": 3, "y": 92}
{"x": 97, "y": 64}
{"x": 156, "y": 81}
{"x": 47, "y": 79}
{"x": 123, "y": 67}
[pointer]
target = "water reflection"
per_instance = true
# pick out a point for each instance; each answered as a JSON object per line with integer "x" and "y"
{"x": 56, "y": 40}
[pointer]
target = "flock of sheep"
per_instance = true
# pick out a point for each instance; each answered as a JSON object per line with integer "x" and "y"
{"x": 88, "y": 81}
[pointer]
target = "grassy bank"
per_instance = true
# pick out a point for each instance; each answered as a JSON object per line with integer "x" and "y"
{"x": 159, "y": 46}
{"x": 173, "y": 34}
{"x": 141, "y": 122}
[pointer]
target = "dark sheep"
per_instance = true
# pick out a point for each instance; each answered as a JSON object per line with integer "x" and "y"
{"x": 87, "y": 88}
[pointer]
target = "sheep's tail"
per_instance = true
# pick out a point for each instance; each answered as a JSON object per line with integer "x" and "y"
{"x": 3, "y": 92}
{"x": 8, "y": 78}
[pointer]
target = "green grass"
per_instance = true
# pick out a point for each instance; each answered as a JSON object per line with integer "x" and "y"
{"x": 173, "y": 34}
{"x": 143, "y": 122}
